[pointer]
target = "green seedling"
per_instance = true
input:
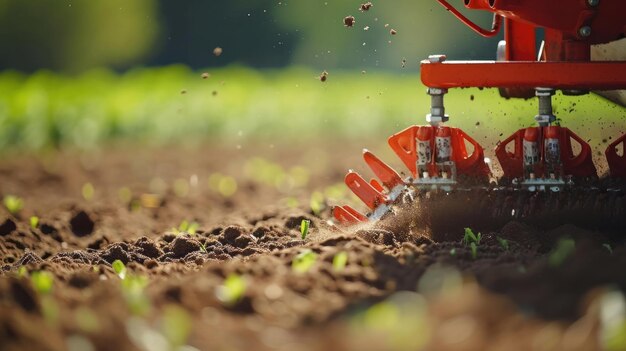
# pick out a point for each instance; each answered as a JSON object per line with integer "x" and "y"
{"x": 304, "y": 228}
{"x": 88, "y": 191}
{"x": 34, "y": 222}
{"x": 232, "y": 290}
{"x": 608, "y": 248}
{"x": 340, "y": 261}
{"x": 22, "y": 272}
{"x": 133, "y": 288}
{"x": 503, "y": 243}
{"x": 13, "y": 204}
{"x": 203, "y": 248}
{"x": 564, "y": 248}
{"x": 453, "y": 252}
{"x": 474, "y": 250}
{"x": 470, "y": 237}
{"x": 42, "y": 282}
{"x": 187, "y": 227}
{"x": 304, "y": 261}
{"x": 176, "y": 325}
{"x": 119, "y": 268}
{"x": 317, "y": 202}
{"x": 86, "y": 320}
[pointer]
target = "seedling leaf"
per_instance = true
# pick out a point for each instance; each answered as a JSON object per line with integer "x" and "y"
{"x": 22, "y": 272}
{"x": 503, "y": 243}
{"x": 564, "y": 248}
{"x": 42, "y": 281}
{"x": 469, "y": 237}
{"x": 13, "y": 204}
{"x": 474, "y": 249}
{"x": 88, "y": 191}
{"x": 34, "y": 222}
{"x": 176, "y": 326}
{"x": 304, "y": 261}
{"x": 119, "y": 268}
{"x": 608, "y": 248}
{"x": 232, "y": 290}
{"x": 133, "y": 287}
{"x": 340, "y": 260}
{"x": 304, "y": 228}
{"x": 453, "y": 252}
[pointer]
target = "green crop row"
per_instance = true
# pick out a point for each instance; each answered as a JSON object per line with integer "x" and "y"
{"x": 176, "y": 104}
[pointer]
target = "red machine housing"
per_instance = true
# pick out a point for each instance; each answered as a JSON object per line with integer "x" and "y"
{"x": 570, "y": 27}
{"x": 563, "y": 62}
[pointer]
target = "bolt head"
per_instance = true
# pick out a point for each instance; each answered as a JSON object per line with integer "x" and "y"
{"x": 584, "y": 31}
{"x": 436, "y": 58}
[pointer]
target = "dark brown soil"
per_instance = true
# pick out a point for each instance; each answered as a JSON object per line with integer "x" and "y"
{"x": 409, "y": 281}
{"x": 349, "y": 21}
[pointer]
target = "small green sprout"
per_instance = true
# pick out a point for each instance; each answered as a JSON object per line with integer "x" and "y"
{"x": 303, "y": 262}
{"x": 340, "y": 260}
{"x": 13, "y": 204}
{"x": 203, "y": 248}
{"x": 88, "y": 191}
{"x": 232, "y": 290}
{"x": 86, "y": 320}
{"x": 34, "y": 222}
{"x": 22, "y": 272}
{"x": 608, "y": 247}
{"x": 304, "y": 228}
{"x": 564, "y": 248}
{"x": 133, "y": 288}
{"x": 176, "y": 325}
{"x": 42, "y": 281}
{"x": 453, "y": 252}
{"x": 119, "y": 268}
{"x": 470, "y": 237}
{"x": 503, "y": 243}
{"x": 317, "y": 202}
{"x": 474, "y": 249}
{"x": 187, "y": 227}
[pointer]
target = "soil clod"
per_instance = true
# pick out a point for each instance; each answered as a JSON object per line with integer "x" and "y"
{"x": 7, "y": 227}
{"x": 349, "y": 21}
{"x": 82, "y": 224}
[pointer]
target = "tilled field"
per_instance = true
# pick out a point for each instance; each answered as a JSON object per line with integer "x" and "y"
{"x": 214, "y": 260}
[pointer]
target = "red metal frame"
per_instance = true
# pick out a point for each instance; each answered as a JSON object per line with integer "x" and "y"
{"x": 606, "y": 75}
{"x": 566, "y": 47}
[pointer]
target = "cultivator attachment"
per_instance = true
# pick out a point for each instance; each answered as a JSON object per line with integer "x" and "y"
{"x": 546, "y": 159}
{"x": 616, "y": 157}
{"x": 436, "y": 155}
{"x": 543, "y": 157}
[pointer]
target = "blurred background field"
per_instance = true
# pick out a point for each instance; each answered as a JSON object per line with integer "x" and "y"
{"x": 174, "y": 104}
{"x": 78, "y": 73}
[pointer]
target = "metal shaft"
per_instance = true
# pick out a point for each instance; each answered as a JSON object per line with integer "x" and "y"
{"x": 546, "y": 115}
{"x": 437, "y": 113}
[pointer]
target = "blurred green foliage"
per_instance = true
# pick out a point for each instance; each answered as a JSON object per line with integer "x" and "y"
{"x": 75, "y": 35}
{"x": 423, "y": 28}
{"x": 147, "y": 105}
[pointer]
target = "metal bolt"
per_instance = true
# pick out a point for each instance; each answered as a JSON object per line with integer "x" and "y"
{"x": 593, "y": 3}
{"x": 584, "y": 31}
{"x": 436, "y": 58}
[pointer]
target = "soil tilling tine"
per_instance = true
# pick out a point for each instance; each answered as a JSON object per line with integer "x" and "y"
{"x": 547, "y": 159}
